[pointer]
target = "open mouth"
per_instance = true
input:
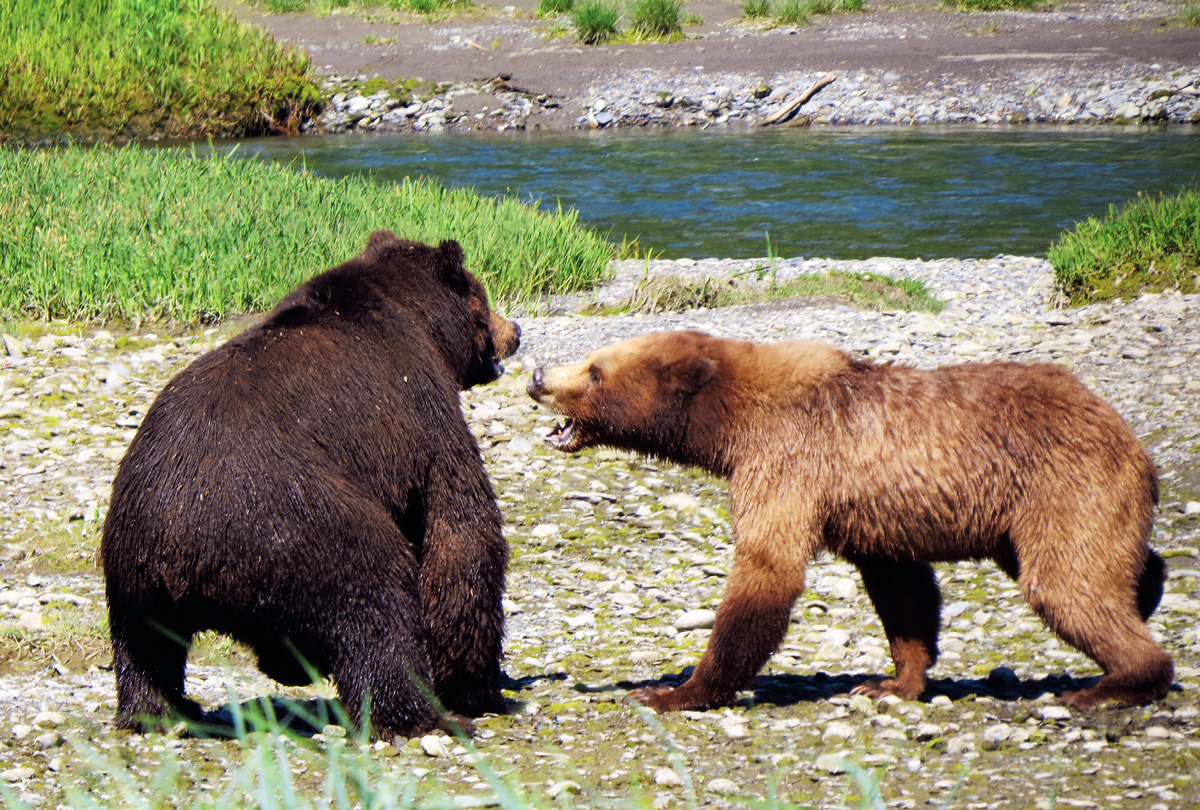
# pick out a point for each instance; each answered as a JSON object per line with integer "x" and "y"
{"x": 563, "y": 436}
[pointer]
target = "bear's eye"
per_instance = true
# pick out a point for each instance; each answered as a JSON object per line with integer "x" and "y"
{"x": 594, "y": 373}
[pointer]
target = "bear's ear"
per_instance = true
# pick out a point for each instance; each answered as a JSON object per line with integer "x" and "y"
{"x": 693, "y": 373}
{"x": 450, "y": 265}
{"x": 379, "y": 239}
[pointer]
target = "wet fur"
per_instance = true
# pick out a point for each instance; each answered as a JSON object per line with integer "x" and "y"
{"x": 892, "y": 468}
{"x": 312, "y": 489}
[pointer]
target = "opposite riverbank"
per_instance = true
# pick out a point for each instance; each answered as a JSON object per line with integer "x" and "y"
{"x": 1095, "y": 61}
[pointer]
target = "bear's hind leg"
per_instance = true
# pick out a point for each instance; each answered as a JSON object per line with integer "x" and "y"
{"x": 149, "y": 664}
{"x": 907, "y": 599}
{"x": 1108, "y": 628}
{"x": 377, "y": 667}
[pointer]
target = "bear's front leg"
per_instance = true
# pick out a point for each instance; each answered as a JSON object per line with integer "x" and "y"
{"x": 767, "y": 577}
{"x": 463, "y": 561}
{"x": 906, "y": 597}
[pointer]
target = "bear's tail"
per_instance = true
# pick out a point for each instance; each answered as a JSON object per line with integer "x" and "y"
{"x": 1150, "y": 588}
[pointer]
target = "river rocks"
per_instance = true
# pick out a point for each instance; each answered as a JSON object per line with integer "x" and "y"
{"x": 646, "y": 98}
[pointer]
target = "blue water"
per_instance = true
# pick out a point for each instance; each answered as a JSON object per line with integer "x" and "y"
{"x": 820, "y": 192}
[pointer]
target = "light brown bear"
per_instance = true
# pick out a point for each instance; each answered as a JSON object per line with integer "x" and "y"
{"x": 893, "y": 469}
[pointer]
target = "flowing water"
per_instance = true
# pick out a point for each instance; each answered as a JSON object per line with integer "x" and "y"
{"x": 853, "y": 193}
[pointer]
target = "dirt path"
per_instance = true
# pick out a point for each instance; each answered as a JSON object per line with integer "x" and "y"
{"x": 920, "y": 42}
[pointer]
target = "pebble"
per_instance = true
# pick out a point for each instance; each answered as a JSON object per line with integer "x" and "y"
{"x": 434, "y": 746}
{"x": 667, "y": 777}
{"x": 695, "y": 620}
{"x": 1054, "y": 712}
{"x": 838, "y": 732}
{"x": 722, "y": 786}
{"x": 997, "y": 733}
{"x": 831, "y": 763}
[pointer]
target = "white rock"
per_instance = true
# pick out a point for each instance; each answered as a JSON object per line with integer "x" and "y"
{"x": 734, "y": 727}
{"x": 831, "y": 763}
{"x": 997, "y": 733}
{"x": 667, "y": 778}
{"x": 13, "y": 346}
{"x": 433, "y": 746}
{"x": 699, "y": 619}
{"x": 864, "y": 705}
{"x": 831, "y": 652}
{"x": 725, "y": 787}
{"x": 544, "y": 530}
{"x": 681, "y": 501}
{"x": 927, "y": 731}
{"x": 838, "y": 732}
{"x": 521, "y": 445}
{"x": 1054, "y": 713}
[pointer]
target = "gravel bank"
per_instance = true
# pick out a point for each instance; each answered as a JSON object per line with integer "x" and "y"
{"x": 1149, "y": 93}
{"x": 615, "y": 562}
{"x": 1090, "y": 62}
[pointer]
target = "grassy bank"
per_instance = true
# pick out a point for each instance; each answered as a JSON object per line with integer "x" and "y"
{"x": 859, "y": 290}
{"x": 138, "y": 67}
{"x": 1150, "y": 244}
{"x": 133, "y": 234}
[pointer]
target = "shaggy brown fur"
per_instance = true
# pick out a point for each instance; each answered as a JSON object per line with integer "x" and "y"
{"x": 893, "y": 469}
{"x": 312, "y": 489}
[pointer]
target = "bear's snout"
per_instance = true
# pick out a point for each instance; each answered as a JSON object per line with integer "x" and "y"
{"x": 537, "y": 383}
{"x": 506, "y": 336}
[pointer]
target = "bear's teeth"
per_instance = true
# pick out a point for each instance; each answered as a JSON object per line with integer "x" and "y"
{"x": 561, "y": 434}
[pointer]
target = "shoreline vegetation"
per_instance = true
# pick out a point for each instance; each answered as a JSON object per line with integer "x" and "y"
{"x": 140, "y": 234}
{"x": 135, "y": 235}
{"x": 140, "y": 68}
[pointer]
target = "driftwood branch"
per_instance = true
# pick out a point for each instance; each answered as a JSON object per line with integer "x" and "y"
{"x": 791, "y": 107}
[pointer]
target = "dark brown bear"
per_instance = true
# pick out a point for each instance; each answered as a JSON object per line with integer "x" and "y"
{"x": 312, "y": 489}
{"x": 893, "y": 469}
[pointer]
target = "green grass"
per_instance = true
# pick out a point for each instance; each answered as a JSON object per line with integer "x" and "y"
{"x": 1190, "y": 14}
{"x": 129, "y": 68}
{"x": 1148, "y": 245}
{"x": 134, "y": 235}
{"x": 795, "y": 12}
{"x": 595, "y": 21}
{"x": 661, "y": 19}
{"x": 861, "y": 290}
{"x": 553, "y": 8}
{"x": 791, "y": 12}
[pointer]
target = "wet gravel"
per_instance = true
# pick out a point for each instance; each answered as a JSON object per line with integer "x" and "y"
{"x": 617, "y": 565}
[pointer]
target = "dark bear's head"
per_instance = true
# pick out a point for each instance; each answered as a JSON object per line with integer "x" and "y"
{"x": 633, "y": 395}
{"x": 429, "y": 284}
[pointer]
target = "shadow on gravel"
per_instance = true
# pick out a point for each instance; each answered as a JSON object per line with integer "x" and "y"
{"x": 1001, "y": 684}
